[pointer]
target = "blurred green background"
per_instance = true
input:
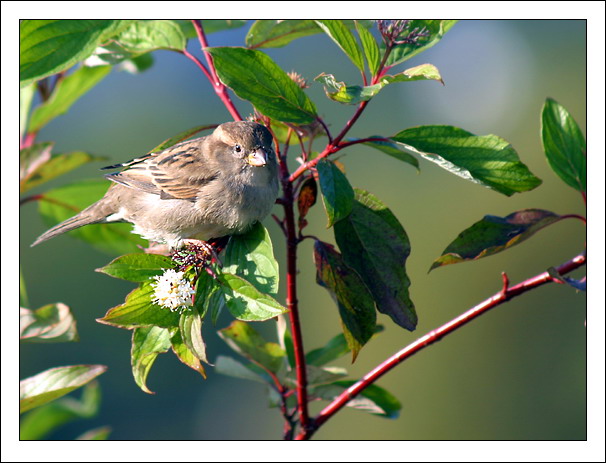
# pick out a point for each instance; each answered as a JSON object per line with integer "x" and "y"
{"x": 518, "y": 372}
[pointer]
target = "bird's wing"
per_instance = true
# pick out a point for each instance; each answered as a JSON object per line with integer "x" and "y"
{"x": 175, "y": 173}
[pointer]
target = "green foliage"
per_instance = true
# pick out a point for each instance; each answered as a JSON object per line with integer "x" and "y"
{"x": 50, "y": 323}
{"x": 564, "y": 145}
{"x": 495, "y": 234}
{"x": 255, "y": 77}
{"x": 487, "y": 160}
{"x": 137, "y": 267}
{"x": 40, "y": 422}
{"x": 355, "y": 303}
{"x": 251, "y": 257}
{"x": 48, "y": 47}
{"x": 376, "y": 246}
{"x": 337, "y": 193}
{"x": 53, "y": 383}
{"x": 346, "y": 41}
{"x": 366, "y": 273}
{"x": 66, "y": 93}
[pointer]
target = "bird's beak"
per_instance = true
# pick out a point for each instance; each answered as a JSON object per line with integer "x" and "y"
{"x": 257, "y": 158}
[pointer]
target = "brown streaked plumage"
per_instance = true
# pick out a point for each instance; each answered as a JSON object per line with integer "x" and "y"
{"x": 205, "y": 188}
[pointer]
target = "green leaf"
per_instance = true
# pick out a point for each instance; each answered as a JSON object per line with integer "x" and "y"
{"x": 564, "y": 145}
{"x": 335, "y": 348}
{"x": 255, "y": 77}
{"x": 246, "y": 341}
{"x": 100, "y": 433}
{"x": 185, "y": 354}
{"x": 392, "y": 149}
{"x": 375, "y": 244}
{"x": 64, "y": 202}
{"x": 26, "y": 96}
{"x": 356, "y": 306}
{"x": 50, "y": 323}
{"x": 66, "y": 93}
{"x": 495, "y": 234}
{"x": 421, "y": 72}
{"x": 139, "y": 267}
{"x": 181, "y": 137}
{"x": 245, "y": 302}
{"x": 47, "y": 47}
{"x": 148, "y": 342}
{"x": 210, "y": 26}
{"x": 114, "y": 54}
{"x": 145, "y": 36}
{"x": 251, "y": 257}
{"x": 348, "y": 94}
{"x": 337, "y": 193}
{"x": 190, "y": 327}
{"x": 346, "y": 41}
{"x": 435, "y": 29}
{"x": 316, "y": 376}
{"x": 487, "y": 160}
{"x": 231, "y": 367}
{"x": 40, "y": 422}
{"x": 54, "y": 383}
{"x": 278, "y": 33}
{"x": 55, "y": 166}
{"x": 354, "y": 94}
{"x": 373, "y": 399}
{"x": 371, "y": 49}
{"x": 138, "y": 310}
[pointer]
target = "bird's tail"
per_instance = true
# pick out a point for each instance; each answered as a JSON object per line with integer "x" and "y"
{"x": 77, "y": 221}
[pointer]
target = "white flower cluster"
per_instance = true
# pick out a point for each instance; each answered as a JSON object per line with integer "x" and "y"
{"x": 172, "y": 290}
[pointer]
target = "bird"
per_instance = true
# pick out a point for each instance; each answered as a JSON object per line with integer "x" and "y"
{"x": 209, "y": 187}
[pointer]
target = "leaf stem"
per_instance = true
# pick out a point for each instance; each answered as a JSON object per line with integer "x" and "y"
{"x": 505, "y": 294}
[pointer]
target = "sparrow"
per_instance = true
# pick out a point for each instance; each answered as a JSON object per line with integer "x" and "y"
{"x": 209, "y": 187}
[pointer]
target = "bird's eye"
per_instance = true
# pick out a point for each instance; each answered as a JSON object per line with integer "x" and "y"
{"x": 237, "y": 148}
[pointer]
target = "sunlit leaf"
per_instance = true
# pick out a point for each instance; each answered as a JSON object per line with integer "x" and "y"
{"x": 47, "y": 47}
{"x": 246, "y": 341}
{"x": 40, "y": 422}
{"x": 185, "y": 354}
{"x": 137, "y": 267}
{"x": 147, "y": 343}
{"x": 245, "y": 302}
{"x": 255, "y": 77}
{"x": 143, "y": 36}
{"x": 50, "y": 323}
{"x": 251, "y": 256}
{"x": 54, "y": 383}
{"x": 346, "y": 41}
{"x": 138, "y": 310}
{"x": 487, "y": 160}
{"x": 371, "y": 49}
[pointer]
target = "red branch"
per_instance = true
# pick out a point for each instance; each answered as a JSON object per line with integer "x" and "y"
{"x": 502, "y": 296}
{"x": 211, "y": 73}
{"x": 291, "y": 294}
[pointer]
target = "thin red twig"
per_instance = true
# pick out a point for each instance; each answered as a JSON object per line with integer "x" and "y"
{"x": 502, "y": 296}
{"x": 211, "y": 73}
